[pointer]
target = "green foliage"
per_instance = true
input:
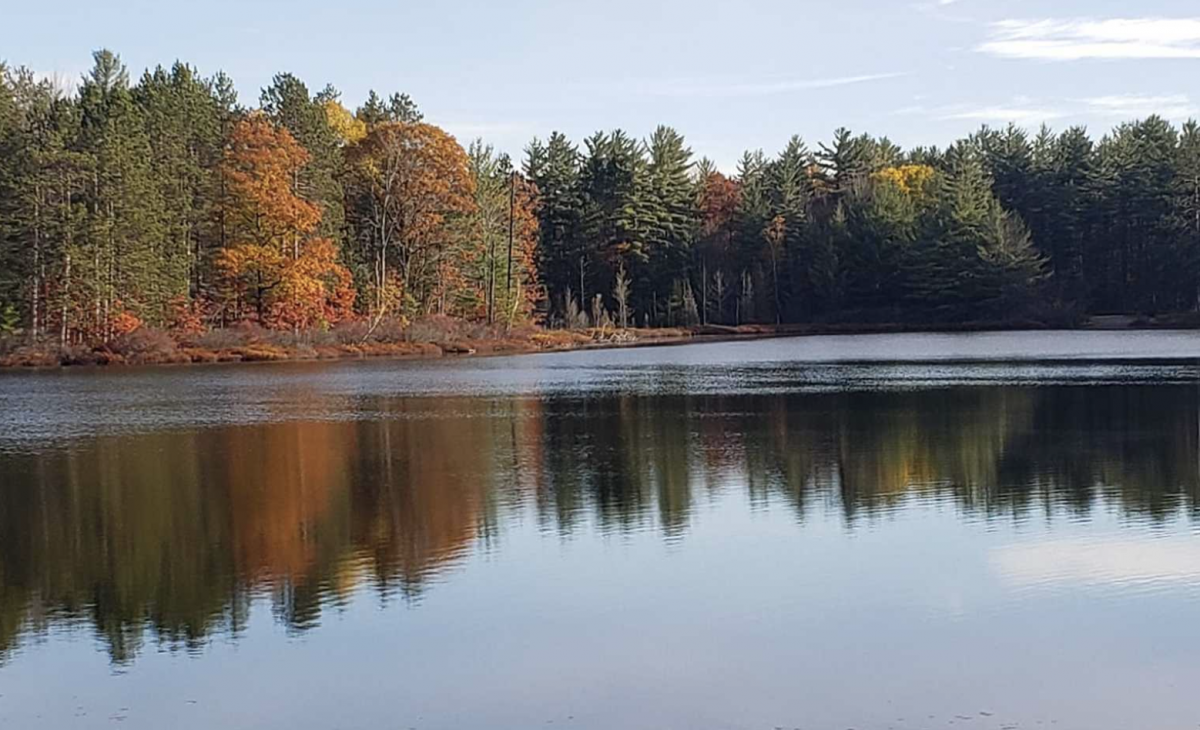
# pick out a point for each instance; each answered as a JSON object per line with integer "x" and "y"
{"x": 10, "y": 319}
{"x": 397, "y": 108}
{"x": 554, "y": 167}
{"x": 186, "y": 118}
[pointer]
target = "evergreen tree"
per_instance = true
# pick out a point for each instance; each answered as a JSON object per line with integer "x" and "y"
{"x": 1133, "y": 254}
{"x": 846, "y": 162}
{"x": 397, "y": 108}
{"x": 1186, "y": 205}
{"x": 672, "y": 216}
{"x": 618, "y": 215}
{"x": 753, "y": 252}
{"x": 554, "y": 167}
{"x": 790, "y": 192}
{"x": 184, "y": 120}
{"x": 13, "y": 142}
{"x": 125, "y": 262}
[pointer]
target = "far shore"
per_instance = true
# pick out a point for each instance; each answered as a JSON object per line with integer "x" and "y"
{"x": 154, "y": 347}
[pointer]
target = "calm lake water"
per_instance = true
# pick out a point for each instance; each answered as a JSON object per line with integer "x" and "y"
{"x": 992, "y": 531}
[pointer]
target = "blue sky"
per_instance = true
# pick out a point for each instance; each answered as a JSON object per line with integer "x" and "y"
{"x": 729, "y": 75}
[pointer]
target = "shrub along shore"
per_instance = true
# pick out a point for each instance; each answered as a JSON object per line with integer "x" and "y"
{"x": 441, "y": 336}
{"x": 430, "y": 337}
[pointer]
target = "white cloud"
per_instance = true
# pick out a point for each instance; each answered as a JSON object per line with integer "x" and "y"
{"x": 1140, "y": 106}
{"x": 1003, "y": 113}
{"x": 1114, "y": 38}
{"x": 1027, "y": 112}
{"x": 703, "y": 88}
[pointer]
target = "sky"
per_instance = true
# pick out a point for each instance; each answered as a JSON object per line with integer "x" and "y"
{"x": 730, "y": 76}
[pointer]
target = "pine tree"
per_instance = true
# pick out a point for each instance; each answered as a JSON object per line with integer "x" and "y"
{"x": 790, "y": 192}
{"x": 1132, "y": 253}
{"x": 618, "y": 215}
{"x": 398, "y": 108}
{"x": 554, "y": 167}
{"x": 847, "y": 161}
{"x": 1186, "y": 207}
{"x": 14, "y": 138}
{"x": 671, "y": 215}
{"x": 123, "y": 263}
{"x": 752, "y": 219}
{"x": 184, "y": 120}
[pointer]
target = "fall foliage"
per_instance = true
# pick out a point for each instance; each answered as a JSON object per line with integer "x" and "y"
{"x": 408, "y": 180}
{"x": 274, "y": 269}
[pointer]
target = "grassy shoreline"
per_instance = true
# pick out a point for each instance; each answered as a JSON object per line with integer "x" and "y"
{"x": 449, "y": 338}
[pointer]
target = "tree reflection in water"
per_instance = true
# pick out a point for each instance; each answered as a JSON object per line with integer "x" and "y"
{"x": 170, "y": 535}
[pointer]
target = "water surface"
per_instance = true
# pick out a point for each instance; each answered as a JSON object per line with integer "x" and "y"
{"x": 901, "y": 531}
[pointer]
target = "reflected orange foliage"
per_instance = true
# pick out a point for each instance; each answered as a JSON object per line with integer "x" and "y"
{"x": 282, "y": 489}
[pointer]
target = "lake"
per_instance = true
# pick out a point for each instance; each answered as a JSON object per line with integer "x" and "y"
{"x": 991, "y": 531}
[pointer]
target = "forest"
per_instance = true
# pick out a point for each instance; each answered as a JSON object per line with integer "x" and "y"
{"x": 167, "y": 204}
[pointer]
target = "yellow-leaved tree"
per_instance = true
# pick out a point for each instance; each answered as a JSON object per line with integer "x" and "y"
{"x": 407, "y": 181}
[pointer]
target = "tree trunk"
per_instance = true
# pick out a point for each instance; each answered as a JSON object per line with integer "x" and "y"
{"x": 35, "y": 291}
{"x": 512, "y": 207}
{"x": 775, "y": 282}
{"x": 582, "y": 290}
{"x": 66, "y": 296}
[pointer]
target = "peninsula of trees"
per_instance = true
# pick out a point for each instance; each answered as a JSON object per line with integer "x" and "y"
{"x": 165, "y": 203}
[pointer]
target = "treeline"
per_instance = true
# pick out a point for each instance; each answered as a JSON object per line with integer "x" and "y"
{"x": 999, "y": 226}
{"x": 165, "y": 202}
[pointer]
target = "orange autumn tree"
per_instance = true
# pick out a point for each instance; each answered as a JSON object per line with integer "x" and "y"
{"x": 408, "y": 182}
{"x": 718, "y": 203}
{"x": 275, "y": 265}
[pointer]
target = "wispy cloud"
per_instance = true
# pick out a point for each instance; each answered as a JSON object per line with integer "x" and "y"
{"x": 1019, "y": 111}
{"x": 723, "y": 88}
{"x": 1019, "y": 115}
{"x": 1084, "y": 38}
{"x": 1137, "y": 106}
{"x": 1026, "y": 111}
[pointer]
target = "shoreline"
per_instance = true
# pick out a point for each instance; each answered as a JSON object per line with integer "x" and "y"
{"x": 525, "y": 342}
